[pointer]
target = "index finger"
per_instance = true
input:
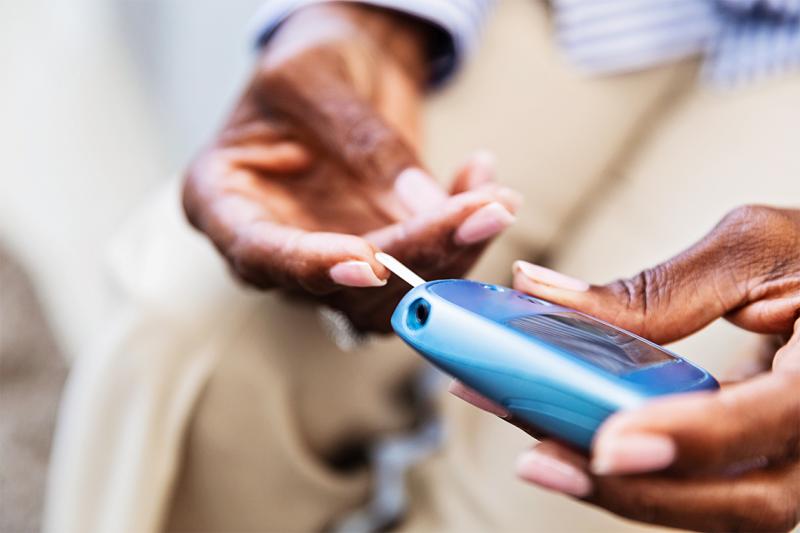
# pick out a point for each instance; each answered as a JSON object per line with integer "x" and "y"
{"x": 742, "y": 425}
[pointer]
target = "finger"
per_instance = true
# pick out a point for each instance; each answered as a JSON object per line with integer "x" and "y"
{"x": 459, "y": 390}
{"x": 430, "y": 240}
{"x": 278, "y": 157}
{"x": 348, "y": 126}
{"x": 478, "y": 174}
{"x": 267, "y": 254}
{"x": 761, "y": 500}
{"x": 787, "y": 359}
{"x": 418, "y": 191}
{"x": 684, "y": 294}
{"x": 553, "y": 466}
{"x": 745, "y": 422}
{"x": 477, "y": 171}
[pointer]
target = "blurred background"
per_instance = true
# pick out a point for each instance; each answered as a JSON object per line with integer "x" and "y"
{"x": 101, "y": 101}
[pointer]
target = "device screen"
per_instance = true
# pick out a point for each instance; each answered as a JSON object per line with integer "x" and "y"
{"x": 596, "y": 343}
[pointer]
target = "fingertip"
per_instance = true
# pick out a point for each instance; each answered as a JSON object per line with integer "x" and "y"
{"x": 632, "y": 453}
{"x": 485, "y": 223}
{"x": 477, "y": 171}
{"x": 355, "y": 274}
{"x": 483, "y": 164}
{"x": 461, "y": 391}
{"x": 545, "y": 276}
{"x": 510, "y": 198}
{"x": 549, "y": 472}
{"x": 418, "y": 191}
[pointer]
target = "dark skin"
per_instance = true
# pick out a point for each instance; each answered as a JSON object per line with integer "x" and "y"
{"x": 304, "y": 176}
{"x": 722, "y": 461}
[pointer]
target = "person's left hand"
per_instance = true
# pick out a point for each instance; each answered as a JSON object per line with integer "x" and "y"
{"x": 722, "y": 461}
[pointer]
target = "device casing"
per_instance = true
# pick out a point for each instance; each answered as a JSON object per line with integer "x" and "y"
{"x": 460, "y": 327}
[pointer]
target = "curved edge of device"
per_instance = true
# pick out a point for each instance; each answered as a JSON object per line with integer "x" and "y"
{"x": 564, "y": 398}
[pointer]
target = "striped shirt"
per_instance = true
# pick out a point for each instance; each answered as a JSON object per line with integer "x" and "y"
{"x": 740, "y": 40}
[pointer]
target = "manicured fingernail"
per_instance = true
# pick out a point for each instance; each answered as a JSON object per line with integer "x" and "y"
{"x": 511, "y": 198}
{"x": 550, "y": 473}
{"x": 460, "y": 390}
{"x": 631, "y": 453}
{"x": 482, "y": 168}
{"x": 484, "y": 223}
{"x": 545, "y": 276}
{"x": 484, "y": 157}
{"x": 418, "y": 190}
{"x": 355, "y": 274}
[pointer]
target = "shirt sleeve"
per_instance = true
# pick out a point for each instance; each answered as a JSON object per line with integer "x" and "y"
{"x": 458, "y": 24}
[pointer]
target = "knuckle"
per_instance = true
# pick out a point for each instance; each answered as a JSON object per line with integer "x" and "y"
{"x": 763, "y": 242}
{"x": 642, "y": 293}
{"x": 752, "y": 229}
{"x": 749, "y": 215}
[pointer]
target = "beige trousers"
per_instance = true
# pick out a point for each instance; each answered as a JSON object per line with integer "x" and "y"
{"x": 208, "y": 407}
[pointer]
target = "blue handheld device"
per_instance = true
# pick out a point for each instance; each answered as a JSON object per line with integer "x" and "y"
{"x": 555, "y": 369}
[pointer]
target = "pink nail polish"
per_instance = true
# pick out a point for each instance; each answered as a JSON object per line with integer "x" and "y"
{"x": 550, "y": 473}
{"x": 545, "y": 276}
{"x": 484, "y": 223}
{"x": 418, "y": 190}
{"x": 482, "y": 168}
{"x": 459, "y": 390}
{"x": 630, "y": 453}
{"x": 511, "y": 198}
{"x": 355, "y": 274}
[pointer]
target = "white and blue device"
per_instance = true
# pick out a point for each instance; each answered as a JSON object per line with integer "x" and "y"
{"x": 553, "y": 368}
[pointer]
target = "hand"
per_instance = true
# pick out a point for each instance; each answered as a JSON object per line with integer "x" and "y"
{"x": 728, "y": 460}
{"x": 317, "y": 169}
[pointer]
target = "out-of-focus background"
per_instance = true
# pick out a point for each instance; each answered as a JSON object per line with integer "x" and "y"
{"x": 100, "y": 101}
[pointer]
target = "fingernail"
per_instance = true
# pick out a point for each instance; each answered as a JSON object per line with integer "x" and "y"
{"x": 511, "y": 198}
{"x": 484, "y": 157}
{"x": 418, "y": 190}
{"x": 484, "y": 223}
{"x": 355, "y": 274}
{"x": 550, "y": 473}
{"x": 459, "y": 390}
{"x": 483, "y": 168}
{"x": 545, "y": 276}
{"x": 631, "y": 453}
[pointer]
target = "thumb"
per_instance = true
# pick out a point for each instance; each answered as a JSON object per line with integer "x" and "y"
{"x": 663, "y": 303}
{"x": 741, "y": 426}
{"x": 659, "y": 303}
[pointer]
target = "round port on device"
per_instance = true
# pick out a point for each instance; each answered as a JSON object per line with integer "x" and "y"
{"x": 418, "y": 313}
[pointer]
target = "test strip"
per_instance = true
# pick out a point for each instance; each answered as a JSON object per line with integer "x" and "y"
{"x": 399, "y": 269}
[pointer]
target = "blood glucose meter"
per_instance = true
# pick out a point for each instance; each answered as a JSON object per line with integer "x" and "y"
{"x": 553, "y": 368}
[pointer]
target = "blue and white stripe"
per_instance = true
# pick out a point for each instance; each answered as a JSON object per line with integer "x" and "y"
{"x": 461, "y": 20}
{"x": 741, "y": 40}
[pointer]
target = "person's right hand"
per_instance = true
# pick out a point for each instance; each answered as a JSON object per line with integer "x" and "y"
{"x": 317, "y": 169}
{"x": 727, "y": 460}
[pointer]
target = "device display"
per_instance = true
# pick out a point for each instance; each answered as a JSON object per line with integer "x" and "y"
{"x": 597, "y": 343}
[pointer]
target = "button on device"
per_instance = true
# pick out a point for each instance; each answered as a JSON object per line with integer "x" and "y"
{"x": 493, "y": 287}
